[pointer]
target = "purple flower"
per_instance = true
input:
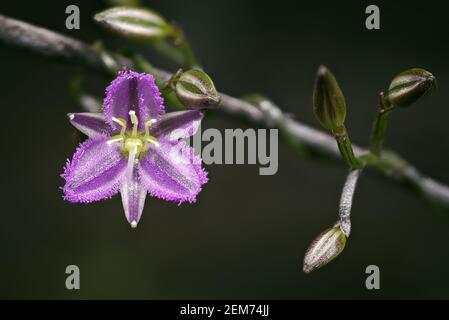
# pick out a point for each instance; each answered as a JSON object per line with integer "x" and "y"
{"x": 135, "y": 148}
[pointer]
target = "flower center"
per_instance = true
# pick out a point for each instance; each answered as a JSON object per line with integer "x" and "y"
{"x": 133, "y": 143}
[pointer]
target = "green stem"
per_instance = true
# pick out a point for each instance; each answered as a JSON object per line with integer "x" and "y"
{"x": 345, "y": 147}
{"x": 190, "y": 60}
{"x": 180, "y": 51}
{"x": 380, "y": 127}
{"x": 182, "y": 43}
{"x": 169, "y": 51}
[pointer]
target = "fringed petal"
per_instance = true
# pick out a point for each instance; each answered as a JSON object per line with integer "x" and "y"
{"x": 177, "y": 125}
{"x": 132, "y": 91}
{"x": 172, "y": 172}
{"x": 94, "y": 172}
{"x": 91, "y": 124}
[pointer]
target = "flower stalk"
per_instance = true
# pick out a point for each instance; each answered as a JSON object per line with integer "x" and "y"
{"x": 347, "y": 196}
{"x": 182, "y": 43}
{"x": 345, "y": 147}
{"x": 380, "y": 125}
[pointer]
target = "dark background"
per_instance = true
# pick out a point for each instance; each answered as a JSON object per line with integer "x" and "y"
{"x": 247, "y": 234}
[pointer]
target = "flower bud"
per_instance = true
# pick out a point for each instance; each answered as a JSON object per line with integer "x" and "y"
{"x": 136, "y": 23}
{"x": 195, "y": 89}
{"x": 329, "y": 103}
{"x": 324, "y": 248}
{"x": 409, "y": 86}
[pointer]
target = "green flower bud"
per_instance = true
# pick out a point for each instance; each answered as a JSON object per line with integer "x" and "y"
{"x": 409, "y": 86}
{"x": 136, "y": 23}
{"x": 195, "y": 89}
{"x": 324, "y": 248}
{"x": 329, "y": 103}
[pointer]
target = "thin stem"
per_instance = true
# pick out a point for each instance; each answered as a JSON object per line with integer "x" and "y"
{"x": 177, "y": 48}
{"x": 345, "y": 147}
{"x": 51, "y": 44}
{"x": 380, "y": 127}
{"x": 170, "y": 51}
{"x": 346, "y": 198}
{"x": 180, "y": 40}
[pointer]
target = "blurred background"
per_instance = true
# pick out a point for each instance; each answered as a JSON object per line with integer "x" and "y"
{"x": 247, "y": 234}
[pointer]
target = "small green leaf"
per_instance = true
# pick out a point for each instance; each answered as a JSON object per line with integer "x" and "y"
{"x": 410, "y": 86}
{"x": 136, "y": 23}
{"x": 329, "y": 103}
{"x": 195, "y": 89}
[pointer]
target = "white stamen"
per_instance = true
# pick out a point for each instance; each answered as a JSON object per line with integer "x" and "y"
{"x": 147, "y": 137}
{"x": 71, "y": 116}
{"x": 134, "y": 121}
{"x": 152, "y": 140}
{"x": 134, "y": 224}
{"x": 150, "y": 122}
{"x": 114, "y": 139}
{"x": 122, "y": 123}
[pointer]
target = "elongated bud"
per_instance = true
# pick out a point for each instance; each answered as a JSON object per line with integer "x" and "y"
{"x": 328, "y": 245}
{"x": 136, "y": 23}
{"x": 329, "y": 103}
{"x": 195, "y": 89}
{"x": 409, "y": 86}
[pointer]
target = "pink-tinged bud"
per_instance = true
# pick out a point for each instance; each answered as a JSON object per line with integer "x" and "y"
{"x": 328, "y": 245}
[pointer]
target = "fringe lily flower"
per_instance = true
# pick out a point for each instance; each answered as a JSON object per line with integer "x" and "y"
{"x": 134, "y": 147}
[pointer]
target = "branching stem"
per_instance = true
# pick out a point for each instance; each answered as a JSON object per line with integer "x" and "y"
{"x": 51, "y": 44}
